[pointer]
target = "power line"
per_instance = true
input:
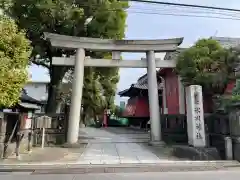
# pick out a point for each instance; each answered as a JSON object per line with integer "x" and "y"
{"x": 185, "y": 5}
{"x": 210, "y": 13}
{"x": 187, "y": 12}
{"x": 174, "y": 12}
{"x": 185, "y": 15}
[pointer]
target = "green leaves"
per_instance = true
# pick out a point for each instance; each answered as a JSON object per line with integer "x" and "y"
{"x": 226, "y": 102}
{"x": 68, "y": 17}
{"x": 209, "y": 65}
{"x": 15, "y": 51}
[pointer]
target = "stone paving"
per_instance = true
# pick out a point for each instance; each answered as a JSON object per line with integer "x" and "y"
{"x": 48, "y": 154}
{"x": 116, "y": 146}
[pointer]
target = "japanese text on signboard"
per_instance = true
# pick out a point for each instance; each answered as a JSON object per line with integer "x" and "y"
{"x": 197, "y": 115}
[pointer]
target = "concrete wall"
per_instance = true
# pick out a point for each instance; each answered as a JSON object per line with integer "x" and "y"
{"x": 37, "y": 90}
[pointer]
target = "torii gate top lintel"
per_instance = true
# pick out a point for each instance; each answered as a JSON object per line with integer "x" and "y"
{"x": 72, "y": 42}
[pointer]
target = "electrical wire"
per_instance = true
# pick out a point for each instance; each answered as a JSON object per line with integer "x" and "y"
{"x": 185, "y": 15}
{"x": 185, "y": 5}
{"x": 181, "y": 12}
{"x": 188, "y": 11}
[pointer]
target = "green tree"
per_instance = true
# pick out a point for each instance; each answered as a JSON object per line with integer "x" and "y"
{"x": 66, "y": 17}
{"x": 109, "y": 80}
{"x": 98, "y": 92}
{"x": 118, "y": 111}
{"x": 208, "y": 64}
{"x": 225, "y": 102}
{"x": 15, "y": 51}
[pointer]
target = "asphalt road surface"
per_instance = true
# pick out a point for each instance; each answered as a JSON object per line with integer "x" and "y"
{"x": 232, "y": 174}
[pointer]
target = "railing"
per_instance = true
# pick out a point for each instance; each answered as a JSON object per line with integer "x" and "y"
{"x": 174, "y": 128}
{"x": 218, "y": 129}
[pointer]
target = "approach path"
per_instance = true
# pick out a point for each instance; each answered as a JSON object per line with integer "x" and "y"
{"x": 116, "y": 146}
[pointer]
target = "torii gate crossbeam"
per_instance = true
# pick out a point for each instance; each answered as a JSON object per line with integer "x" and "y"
{"x": 116, "y": 47}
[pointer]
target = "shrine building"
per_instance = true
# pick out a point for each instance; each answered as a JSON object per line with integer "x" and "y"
{"x": 171, "y": 91}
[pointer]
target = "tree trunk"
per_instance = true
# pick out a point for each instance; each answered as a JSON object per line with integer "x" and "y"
{"x": 54, "y": 89}
{"x": 59, "y": 107}
{"x": 84, "y": 119}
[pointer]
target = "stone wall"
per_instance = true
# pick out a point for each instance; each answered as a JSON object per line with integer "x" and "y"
{"x": 196, "y": 154}
{"x": 223, "y": 127}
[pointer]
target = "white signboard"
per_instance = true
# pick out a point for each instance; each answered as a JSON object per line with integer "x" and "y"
{"x": 195, "y": 116}
{"x": 30, "y": 114}
{"x": 28, "y": 123}
{"x": 1, "y": 115}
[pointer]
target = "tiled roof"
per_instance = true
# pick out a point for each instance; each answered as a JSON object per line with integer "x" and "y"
{"x": 173, "y": 55}
{"x": 26, "y": 98}
{"x": 142, "y": 85}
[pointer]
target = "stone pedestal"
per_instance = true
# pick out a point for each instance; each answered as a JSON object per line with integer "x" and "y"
{"x": 195, "y": 116}
{"x": 234, "y": 126}
{"x": 156, "y": 143}
{"x": 228, "y": 148}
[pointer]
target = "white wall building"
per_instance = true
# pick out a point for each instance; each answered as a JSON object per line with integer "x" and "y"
{"x": 37, "y": 90}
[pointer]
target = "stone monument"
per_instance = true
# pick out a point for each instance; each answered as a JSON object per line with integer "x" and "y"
{"x": 195, "y": 116}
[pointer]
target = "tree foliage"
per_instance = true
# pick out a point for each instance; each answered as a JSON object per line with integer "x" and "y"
{"x": 208, "y": 64}
{"x": 98, "y": 91}
{"x": 117, "y": 111}
{"x": 226, "y": 102}
{"x": 66, "y": 17}
{"x": 15, "y": 51}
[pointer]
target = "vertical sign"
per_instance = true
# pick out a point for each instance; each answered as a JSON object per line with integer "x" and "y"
{"x": 195, "y": 116}
{"x": 122, "y": 105}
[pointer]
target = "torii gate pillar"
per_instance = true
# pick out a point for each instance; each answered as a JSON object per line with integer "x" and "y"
{"x": 76, "y": 97}
{"x": 153, "y": 99}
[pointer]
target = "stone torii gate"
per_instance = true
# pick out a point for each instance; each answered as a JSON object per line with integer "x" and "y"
{"x": 116, "y": 47}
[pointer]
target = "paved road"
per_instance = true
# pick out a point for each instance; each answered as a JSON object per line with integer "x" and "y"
{"x": 116, "y": 146}
{"x": 201, "y": 175}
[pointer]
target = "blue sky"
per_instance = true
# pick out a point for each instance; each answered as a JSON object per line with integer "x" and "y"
{"x": 149, "y": 24}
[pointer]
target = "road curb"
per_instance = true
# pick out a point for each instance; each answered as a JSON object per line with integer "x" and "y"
{"x": 163, "y": 162}
{"x": 122, "y": 168}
